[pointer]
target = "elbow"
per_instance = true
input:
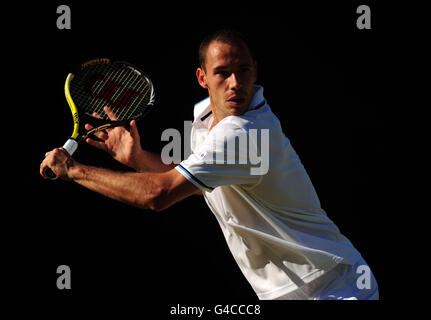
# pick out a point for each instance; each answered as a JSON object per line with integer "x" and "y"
{"x": 156, "y": 205}
{"x": 156, "y": 201}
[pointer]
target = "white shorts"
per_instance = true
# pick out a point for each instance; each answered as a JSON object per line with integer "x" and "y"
{"x": 341, "y": 283}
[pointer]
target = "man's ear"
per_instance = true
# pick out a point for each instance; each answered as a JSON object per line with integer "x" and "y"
{"x": 202, "y": 78}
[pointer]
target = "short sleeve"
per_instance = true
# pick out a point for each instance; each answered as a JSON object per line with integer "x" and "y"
{"x": 222, "y": 159}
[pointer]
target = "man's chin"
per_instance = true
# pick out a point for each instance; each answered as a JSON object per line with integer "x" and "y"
{"x": 237, "y": 109}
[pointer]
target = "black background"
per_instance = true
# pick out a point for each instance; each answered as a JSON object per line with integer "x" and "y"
{"x": 327, "y": 81}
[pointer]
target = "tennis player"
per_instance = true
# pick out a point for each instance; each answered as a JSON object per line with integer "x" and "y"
{"x": 270, "y": 214}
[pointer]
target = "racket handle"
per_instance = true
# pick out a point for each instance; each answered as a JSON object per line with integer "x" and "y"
{"x": 49, "y": 174}
{"x": 70, "y": 146}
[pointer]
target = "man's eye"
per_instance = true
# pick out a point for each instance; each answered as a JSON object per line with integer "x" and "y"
{"x": 245, "y": 70}
{"x": 223, "y": 74}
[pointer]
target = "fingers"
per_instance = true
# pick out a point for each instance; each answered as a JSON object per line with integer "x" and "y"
{"x": 42, "y": 168}
{"x": 53, "y": 158}
{"x": 95, "y": 114}
{"x": 97, "y": 144}
{"x": 110, "y": 113}
{"x": 134, "y": 130}
{"x": 102, "y": 135}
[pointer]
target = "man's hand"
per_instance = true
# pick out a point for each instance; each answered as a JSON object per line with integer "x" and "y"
{"x": 59, "y": 161}
{"x": 124, "y": 146}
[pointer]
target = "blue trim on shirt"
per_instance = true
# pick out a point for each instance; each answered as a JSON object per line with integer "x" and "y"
{"x": 260, "y": 105}
{"x": 192, "y": 177}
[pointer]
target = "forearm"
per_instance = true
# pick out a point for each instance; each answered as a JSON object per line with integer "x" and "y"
{"x": 136, "y": 189}
{"x": 147, "y": 190}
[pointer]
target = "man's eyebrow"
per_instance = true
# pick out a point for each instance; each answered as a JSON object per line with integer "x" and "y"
{"x": 224, "y": 67}
{"x": 219, "y": 68}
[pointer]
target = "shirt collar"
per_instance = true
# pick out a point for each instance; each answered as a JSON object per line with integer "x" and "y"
{"x": 258, "y": 99}
{"x": 203, "y": 108}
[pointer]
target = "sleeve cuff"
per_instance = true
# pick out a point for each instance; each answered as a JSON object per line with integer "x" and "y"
{"x": 187, "y": 174}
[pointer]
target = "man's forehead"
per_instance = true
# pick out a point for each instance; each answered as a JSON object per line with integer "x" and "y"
{"x": 218, "y": 50}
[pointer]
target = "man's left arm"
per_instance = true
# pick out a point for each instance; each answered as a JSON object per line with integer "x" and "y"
{"x": 155, "y": 191}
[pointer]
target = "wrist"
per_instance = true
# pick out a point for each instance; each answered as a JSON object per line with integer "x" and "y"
{"x": 135, "y": 161}
{"x": 76, "y": 171}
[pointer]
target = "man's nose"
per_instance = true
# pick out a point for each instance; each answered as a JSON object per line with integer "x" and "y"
{"x": 234, "y": 81}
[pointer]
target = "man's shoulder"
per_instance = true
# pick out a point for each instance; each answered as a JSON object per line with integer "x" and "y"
{"x": 259, "y": 118}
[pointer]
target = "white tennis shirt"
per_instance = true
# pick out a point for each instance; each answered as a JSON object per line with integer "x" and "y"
{"x": 273, "y": 223}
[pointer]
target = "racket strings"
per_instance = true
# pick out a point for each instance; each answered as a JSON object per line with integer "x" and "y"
{"x": 139, "y": 86}
{"x": 123, "y": 89}
{"x": 132, "y": 93}
{"x": 109, "y": 84}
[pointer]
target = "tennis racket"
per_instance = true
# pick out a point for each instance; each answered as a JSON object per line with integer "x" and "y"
{"x": 91, "y": 86}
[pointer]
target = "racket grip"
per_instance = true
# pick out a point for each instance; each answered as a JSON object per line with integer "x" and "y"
{"x": 49, "y": 174}
{"x": 70, "y": 146}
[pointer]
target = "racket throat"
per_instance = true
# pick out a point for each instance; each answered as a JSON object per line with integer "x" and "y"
{"x": 72, "y": 144}
{"x": 95, "y": 130}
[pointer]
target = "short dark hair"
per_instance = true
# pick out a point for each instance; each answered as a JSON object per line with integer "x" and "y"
{"x": 228, "y": 36}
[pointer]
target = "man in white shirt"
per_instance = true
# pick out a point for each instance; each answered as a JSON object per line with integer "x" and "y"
{"x": 251, "y": 178}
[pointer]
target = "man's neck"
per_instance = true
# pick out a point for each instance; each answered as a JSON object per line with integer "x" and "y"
{"x": 217, "y": 117}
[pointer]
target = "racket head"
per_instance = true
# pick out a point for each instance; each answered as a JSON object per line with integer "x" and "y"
{"x": 97, "y": 83}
